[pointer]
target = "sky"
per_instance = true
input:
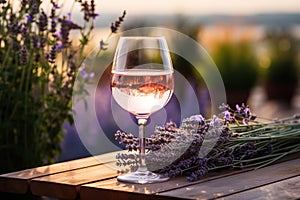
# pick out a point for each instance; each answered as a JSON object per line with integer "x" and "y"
{"x": 239, "y": 7}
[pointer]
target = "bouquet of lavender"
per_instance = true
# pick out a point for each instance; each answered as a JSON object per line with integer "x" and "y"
{"x": 38, "y": 66}
{"x": 235, "y": 139}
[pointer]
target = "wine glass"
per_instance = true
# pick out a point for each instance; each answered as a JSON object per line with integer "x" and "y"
{"x": 142, "y": 83}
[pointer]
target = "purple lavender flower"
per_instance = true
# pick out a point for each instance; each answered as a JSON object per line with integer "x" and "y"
{"x": 43, "y": 21}
{"x": 247, "y": 112}
{"x": 34, "y": 8}
{"x": 59, "y": 35}
{"x": 52, "y": 54}
{"x": 53, "y": 21}
{"x": 29, "y": 18}
{"x": 215, "y": 121}
{"x": 197, "y": 174}
{"x": 103, "y": 45}
{"x": 92, "y": 75}
{"x": 66, "y": 26}
{"x": 198, "y": 118}
{"x": 221, "y": 161}
{"x": 24, "y": 30}
{"x": 227, "y": 115}
{"x": 83, "y": 72}
{"x": 59, "y": 46}
{"x": 238, "y": 108}
{"x": 86, "y": 10}
{"x": 16, "y": 45}
{"x": 268, "y": 149}
{"x": 241, "y": 114}
{"x": 64, "y": 32}
{"x": 14, "y": 28}
{"x": 72, "y": 65}
{"x": 69, "y": 18}
{"x": 24, "y": 56}
{"x": 94, "y": 15}
{"x": 131, "y": 142}
{"x": 92, "y": 11}
{"x": 170, "y": 127}
{"x": 245, "y": 121}
{"x": 42, "y": 42}
{"x": 115, "y": 26}
{"x": 223, "y": 107}
{"x": 37, "y": 57}
{"x": 56, "y": 6}
{"x": 35, "y": 42}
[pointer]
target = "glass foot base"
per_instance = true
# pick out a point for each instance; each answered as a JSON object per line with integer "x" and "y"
{"x": 142, "y": 177}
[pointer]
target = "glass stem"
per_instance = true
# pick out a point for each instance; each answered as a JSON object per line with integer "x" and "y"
{"x": 142, "y": 132}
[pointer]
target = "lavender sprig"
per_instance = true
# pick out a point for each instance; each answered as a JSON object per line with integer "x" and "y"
{"x": 115, "y": 26}
{"x": 241, "y": 113}
{"x": 238, "y": 146}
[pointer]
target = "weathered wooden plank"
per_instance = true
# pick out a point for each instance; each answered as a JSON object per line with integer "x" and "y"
{"x": 123, "y": 190}
{"x": 128, "y": 190}
{"x": 283, "y": 190}
{"x": 238, "y": 183}
{"x": 65, "y": 180}
{"x": 13, "y": 185}
{"x": 65, "y": 185}
{"x": 112, "y": 189}
{"x": 18, "y": 182}
{"x": 108, "y": 194}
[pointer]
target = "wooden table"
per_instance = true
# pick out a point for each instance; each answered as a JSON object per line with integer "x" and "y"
{"x": 91, "y": 178}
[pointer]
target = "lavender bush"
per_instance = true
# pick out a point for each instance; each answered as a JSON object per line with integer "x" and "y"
{"x": 38, "y": 66}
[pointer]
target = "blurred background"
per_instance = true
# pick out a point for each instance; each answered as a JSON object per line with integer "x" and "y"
{"x": 255, "y": 44}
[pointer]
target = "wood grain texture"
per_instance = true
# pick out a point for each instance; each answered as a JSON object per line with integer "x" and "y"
{"x": 18, "y": 182}
{"x": 13, "y": 185}
{"x": 65, "y": 185}
{"x": 94, "y": 178}
{"x": 128, "y": 190}
{"x": 283, "y": 190}
{"x": 229, "y": 185}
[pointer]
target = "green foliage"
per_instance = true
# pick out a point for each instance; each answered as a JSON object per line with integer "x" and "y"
{"x": 38, "y": 67}
{"x": 237, "y": 64}
{"x": 283, "y": 66}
